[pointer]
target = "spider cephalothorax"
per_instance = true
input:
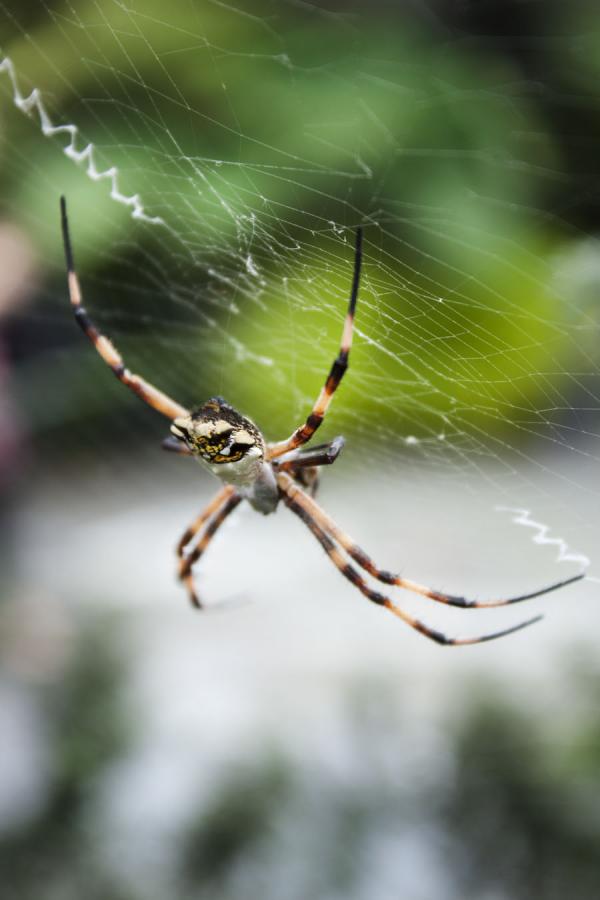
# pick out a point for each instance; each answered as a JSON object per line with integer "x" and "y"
{"x": 219, "y": 434}
{"x": 233, "y": 449}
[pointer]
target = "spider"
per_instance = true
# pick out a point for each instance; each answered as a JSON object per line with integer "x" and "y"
{"x": 232, "y": 447}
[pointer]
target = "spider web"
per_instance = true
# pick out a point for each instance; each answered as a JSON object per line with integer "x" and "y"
{"x": 217, "y": 160}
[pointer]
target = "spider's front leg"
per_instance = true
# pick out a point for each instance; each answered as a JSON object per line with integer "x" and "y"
{"x": 174, "y": 445}
{"x": 219, "y": 508}
{"x": 158, "y": 400}
{"x": 303, "y": 465}
{"x": 304, "y": 433}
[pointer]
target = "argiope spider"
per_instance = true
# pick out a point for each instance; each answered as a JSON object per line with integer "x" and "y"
{"x": 231, "y": 447}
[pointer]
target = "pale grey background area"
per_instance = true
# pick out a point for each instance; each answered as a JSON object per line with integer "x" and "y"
{"x": 107, "y": 538}
{"x": 277, "y": 664}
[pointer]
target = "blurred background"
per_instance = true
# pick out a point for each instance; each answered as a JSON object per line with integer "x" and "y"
{"x": 294, "y": 741}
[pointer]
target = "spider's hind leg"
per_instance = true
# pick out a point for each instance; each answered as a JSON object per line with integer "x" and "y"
{"x": 359, "y": 556}
{"x": 217, "y": 511}
{"x": 334, "y": 542}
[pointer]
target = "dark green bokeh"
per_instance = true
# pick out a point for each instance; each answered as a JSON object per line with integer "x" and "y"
{"x": 254, "y": 133}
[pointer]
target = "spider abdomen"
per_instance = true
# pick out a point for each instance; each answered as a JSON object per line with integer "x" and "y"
{"x": 263, "y": 493}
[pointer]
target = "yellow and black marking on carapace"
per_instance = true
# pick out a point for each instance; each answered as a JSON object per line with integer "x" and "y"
{"x": 218, "y": 433}
{"x": 232, "y": 447}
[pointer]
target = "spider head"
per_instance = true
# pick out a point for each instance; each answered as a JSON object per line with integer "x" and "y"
{"x": 218, "y": 434}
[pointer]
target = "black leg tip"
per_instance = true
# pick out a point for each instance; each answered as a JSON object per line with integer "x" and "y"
{"x": 65, "y": 231}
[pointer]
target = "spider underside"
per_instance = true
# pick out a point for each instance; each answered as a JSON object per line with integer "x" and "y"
{"x": 265, "y": 474}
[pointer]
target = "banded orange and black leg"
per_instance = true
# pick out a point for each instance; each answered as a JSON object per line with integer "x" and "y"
{"x": 111, "y": 356}
{"x": 365, "y": 562}
{"x": 295, "y": 498}
{"x": 305, "y": 432}
{"x": 220, "y": 507}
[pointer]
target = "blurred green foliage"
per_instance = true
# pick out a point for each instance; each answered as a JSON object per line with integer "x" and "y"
{"x": 253, "y": 132}
{"x": 520, "y": 814}
{"x": 239, "y": 821}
